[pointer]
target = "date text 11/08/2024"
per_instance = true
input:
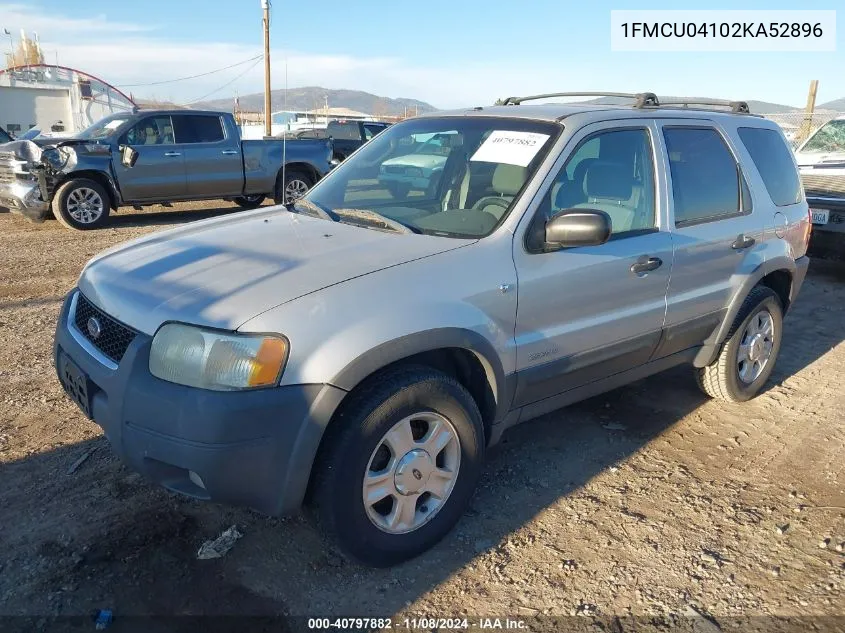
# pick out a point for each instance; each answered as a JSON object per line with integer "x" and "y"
{"x": 417, "y": 624}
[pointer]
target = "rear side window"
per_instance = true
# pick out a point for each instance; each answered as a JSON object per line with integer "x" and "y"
{"x": 198, "y": 129}
{"x": 705, "y": 176}
{"x": 775, "y": 164}
{"x": 344, "y": 131}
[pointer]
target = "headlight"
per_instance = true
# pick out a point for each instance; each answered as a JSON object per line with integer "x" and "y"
{"x": 209, "y": 359}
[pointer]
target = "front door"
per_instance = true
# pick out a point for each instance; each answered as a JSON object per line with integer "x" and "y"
{"x": 589, "y": 312}
{"x": 715, "y": 229}
{"x": 159, "y": 171}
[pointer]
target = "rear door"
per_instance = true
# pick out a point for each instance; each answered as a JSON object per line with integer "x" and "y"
{"x": 159, "y": 171}
{"x": 213, "y": 161}
{"x": 586, "y": 313}
{"x": 715, "y": 229}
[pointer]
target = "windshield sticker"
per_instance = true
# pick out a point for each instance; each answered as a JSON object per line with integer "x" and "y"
{"x": 511, "y": 148}
{"x": 114, "y": 124}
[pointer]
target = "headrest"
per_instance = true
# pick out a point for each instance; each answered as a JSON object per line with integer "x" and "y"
{"x": 508, "y": 179}
{"x": 609, "y": 180}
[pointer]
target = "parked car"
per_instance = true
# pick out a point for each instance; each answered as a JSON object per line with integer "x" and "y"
{"x": 150, "y": 157}
{"x": 347, "y": 136}
{"x": 363, "y": 353}
{"x": 421, "y": 167}
{"x": 821, "y": 161}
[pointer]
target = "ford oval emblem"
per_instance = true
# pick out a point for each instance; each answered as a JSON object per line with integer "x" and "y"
{"x": 94, "y": 328}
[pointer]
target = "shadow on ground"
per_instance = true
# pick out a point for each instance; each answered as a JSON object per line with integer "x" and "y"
{"x": 100, "y": 537}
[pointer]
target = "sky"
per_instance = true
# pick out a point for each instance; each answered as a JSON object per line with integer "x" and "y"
{"x": 450, "y": 53}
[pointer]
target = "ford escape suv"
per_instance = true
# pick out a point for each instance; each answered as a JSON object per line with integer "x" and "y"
{"x": 362, "y": 348}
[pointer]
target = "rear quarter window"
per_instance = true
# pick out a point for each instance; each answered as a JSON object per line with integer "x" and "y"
{"x": 774, "y": 162}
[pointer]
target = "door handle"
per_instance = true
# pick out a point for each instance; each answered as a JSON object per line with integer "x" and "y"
{"x": 742, "y": 242}
{"x": 646, "y": 265}
{"x": 172, "y": 154}
{"x": 230, "y": 152}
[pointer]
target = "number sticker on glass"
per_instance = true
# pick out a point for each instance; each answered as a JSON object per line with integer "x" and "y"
{"x": 511, "y": 148}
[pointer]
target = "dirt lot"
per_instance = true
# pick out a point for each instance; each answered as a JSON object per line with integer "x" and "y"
{"x": 649, "y": 501}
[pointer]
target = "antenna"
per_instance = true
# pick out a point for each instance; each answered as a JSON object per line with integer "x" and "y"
{"x": 285, "y": 138}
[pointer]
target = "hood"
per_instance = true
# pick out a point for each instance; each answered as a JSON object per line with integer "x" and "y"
{"x": 820, "y": 159}
{"x": 225, "y": 271}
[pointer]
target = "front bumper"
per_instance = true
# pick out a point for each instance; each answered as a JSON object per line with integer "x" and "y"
{"x": 24, "y": 198}
{"x": 251, "y": 448}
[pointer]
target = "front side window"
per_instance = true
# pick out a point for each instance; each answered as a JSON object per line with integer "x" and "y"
{"x": 448, "y": 176}
{"x": 828, "y": 138}
{"x": 611, "y": 171}
{"x": 4, "y": 138}
{"x": 774, "y": 162}
{"x": 198, "y": 128}
{"x": 154, "y": 130}
{"x": 705, "y": 177}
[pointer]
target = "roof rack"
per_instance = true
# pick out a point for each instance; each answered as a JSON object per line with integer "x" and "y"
{"x": 641, "y": 100}
{"x": 739, "y": 107}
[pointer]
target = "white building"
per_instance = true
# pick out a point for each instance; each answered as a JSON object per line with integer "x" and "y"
{"x": 55, "y": 99}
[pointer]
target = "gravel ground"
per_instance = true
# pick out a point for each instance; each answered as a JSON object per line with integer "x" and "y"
{"x": 649, "y": 501}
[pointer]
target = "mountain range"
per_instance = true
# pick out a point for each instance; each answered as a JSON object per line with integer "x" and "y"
{"x": 314, "y": 98}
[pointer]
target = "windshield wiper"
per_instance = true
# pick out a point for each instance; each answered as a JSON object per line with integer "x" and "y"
{"x": 376, "y": 218}
{"x": 311, "y": 208}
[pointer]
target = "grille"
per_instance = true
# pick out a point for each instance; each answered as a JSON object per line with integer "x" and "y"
{"x": 7, "y": 169}
{"x": 114, "y": 337}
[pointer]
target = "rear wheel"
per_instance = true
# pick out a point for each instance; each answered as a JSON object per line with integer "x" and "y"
{"x": 249, "y": 202}
{"x": 295, "y": 184}
{"x": 400, "y": 467}
{"x": 81, "y": 204}
{"x": 749, "y": 353}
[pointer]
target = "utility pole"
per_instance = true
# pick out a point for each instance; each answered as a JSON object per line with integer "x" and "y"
{"x": 268, "y": 114}
{"x": 807, "y": 127}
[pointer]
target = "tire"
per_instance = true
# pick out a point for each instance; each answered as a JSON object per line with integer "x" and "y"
{"x": 293, "y": 179}
{"x": 353, "y": 447}
{"x": 249, "y": 202}
{"x": 399, "y": 190}
{"x": 723, "y": 378}
{"x": 81, "y": 204}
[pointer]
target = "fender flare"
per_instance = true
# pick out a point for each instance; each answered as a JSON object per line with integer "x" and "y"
{"x": 426, "y": 341}
{"x": 713, "y": 344}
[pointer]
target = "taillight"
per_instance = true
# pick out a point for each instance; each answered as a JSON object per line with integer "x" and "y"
{"x": 809, "y": 229}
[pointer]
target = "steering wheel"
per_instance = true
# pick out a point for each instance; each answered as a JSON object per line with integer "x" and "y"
{"x": 488, "y": 201}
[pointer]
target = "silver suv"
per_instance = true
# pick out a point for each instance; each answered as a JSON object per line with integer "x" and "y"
{"x": 363, "y": 347}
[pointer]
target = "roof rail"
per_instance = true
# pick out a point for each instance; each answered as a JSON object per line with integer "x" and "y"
{"x": 739, "y": 107}
{"x": 641, "y": 99}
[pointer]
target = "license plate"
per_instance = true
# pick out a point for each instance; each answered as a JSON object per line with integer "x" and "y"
{"x": 819, "y": 216}
{"x": 75, "y": 383}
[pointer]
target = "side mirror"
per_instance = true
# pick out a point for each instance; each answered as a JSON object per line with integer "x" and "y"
{"x": 578, "y": 227}
{"x": 128, "y": 156}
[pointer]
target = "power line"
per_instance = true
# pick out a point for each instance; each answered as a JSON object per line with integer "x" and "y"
{"x": 227, "y": 84}
{"x": 210, "y": 72}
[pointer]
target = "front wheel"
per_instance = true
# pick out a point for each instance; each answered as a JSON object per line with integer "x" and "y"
{"x": 249, "y": 202}
{"x": 81, "y": 204}
{"x": 292, "y": 187}
{"x": 400, "y": 467}
{"x": 750, "y": 350}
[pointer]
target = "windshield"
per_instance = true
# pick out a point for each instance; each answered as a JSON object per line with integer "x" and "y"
{"x": 104, "y": 127}
{"x": 448, "y": 176}
{"x": 829, "y": 138}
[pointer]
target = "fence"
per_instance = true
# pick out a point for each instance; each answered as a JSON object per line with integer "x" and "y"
{"x": 797, "y": 128}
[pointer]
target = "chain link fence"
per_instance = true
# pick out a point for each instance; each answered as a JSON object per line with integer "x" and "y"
{"x": 798, "y": 127}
